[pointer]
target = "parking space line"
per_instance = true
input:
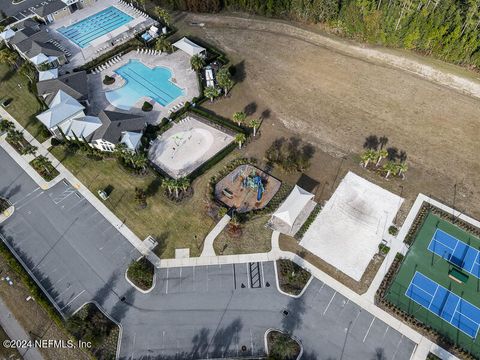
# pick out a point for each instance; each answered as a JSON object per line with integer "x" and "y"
{"x": 26, "y": 196}
{"x": 355, "y": 320}
{"x": 386, "y": 330}
{"x": 368, "y": 330}
{"x": 80, "y": 293}
{"x": 28, "y": 201}
{"x": 335, "y": 293}
{"x": 248, "y": 276}
{"x": 251, "y": 341}
{"x": 63, "y": 292}
{"x": 398, "y": 346}
{"x": 234, "y": 279}
{"x": 166, "y": 284}
{"x": 263, "y": 274}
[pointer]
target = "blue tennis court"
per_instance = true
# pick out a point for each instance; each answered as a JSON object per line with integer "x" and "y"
{"x": 94, "y": 26}
{"x": 445, "y": 304}
{"x": 456, "y": 251}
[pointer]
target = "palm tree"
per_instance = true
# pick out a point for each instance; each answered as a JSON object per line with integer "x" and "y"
{"x": 402, "y": 169}
{"x": 176, "y": 186}
{"x": 211, "y": 93}
{"x": 163, "y": 15}
{"x": 197, "y": 62}
{"x": 255, "y": 123}
{"x": 240, "y": 139}
{"x": 224, "y": 80}
{"x": 162, "y": 44}
{"x": 6, "y": 126}
{"x": 10, "y": 57}
{"x": 184, "y": 183}
{"x": 381, "y": 154}
{"x": 29, "y": 150}
{"x": 42, "y": 161}
{"x": 139, "y": 161}
{"x": 367, "y": 156}
{"x": 28, "y": 71}
{"x": 391, "y": 168}
{"x": 120, "y": 149}
{"x": 239, "y": 117}
{"x": 167, "y": 185}
{"x": 15, "y": 136}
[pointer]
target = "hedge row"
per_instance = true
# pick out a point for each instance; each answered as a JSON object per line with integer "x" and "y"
{"x": 229, "y": 124}
{"x": 308, "y": 222}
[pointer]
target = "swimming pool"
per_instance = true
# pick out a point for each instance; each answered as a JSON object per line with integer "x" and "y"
{"x": 91, "y": 28}
{"x": 142, "y": 81}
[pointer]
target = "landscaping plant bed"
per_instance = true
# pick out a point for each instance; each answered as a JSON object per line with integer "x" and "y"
{"x": 44, "y": 168}
{"x": 291, "y": 277}
{"x": 281, "y": 346}
{"x": 91, "y": 325}
{"x": 4, "y": 204}
{"x": 141, "y": 273}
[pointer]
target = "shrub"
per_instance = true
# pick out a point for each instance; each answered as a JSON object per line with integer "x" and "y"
{"x": 291, "y": 155}
{"x": 141, "y": 273}
{"x": 292, "y": 278}
{"x": 147, "y": 106}
{"x": 392, "y": 230}
{"x": 56, "y": 142}
{"x": 108, "y": 80}
{"x": 383, "y": 249}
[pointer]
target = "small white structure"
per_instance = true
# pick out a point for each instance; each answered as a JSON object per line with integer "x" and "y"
{"x": 131, "y": 139}
{"x": 189, "y": 47}
{"x": 48, "y": 74}
{"x": 293, "y": 212}
{"x": 348, "y": 230}
{"x": 7, "y": 34}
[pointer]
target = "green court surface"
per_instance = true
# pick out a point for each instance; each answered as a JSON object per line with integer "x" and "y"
{"x": 420, "y": 259}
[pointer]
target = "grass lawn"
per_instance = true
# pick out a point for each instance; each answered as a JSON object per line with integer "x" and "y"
{"x": 25, "y": 105}
{"x": 173, "y": 225}
{"x": 420, "y": 259}
{"x": 255, "y": 238}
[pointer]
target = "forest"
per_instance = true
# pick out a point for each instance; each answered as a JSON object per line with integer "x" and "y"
{"x": 445, "y": 29}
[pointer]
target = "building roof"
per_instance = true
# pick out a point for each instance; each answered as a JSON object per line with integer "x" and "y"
{"x": 114, "y": 124}
{"x": 7, "y": 34}
{"x": 188, "y": 46}
{"x": 74, "y": 84}
{"x": 82, "y": 127}
{"x": 47, "y": 74}
{"x": 32, "y": 43}
{"x": 131, "y": 139}
{"x": 22, "y": 35}
{"x": 293, "y": 205}
{"x": 61, "y": 108}
{"x": 49, "y": 8}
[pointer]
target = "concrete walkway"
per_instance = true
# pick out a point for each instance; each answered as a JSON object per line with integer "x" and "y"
{"x": 212, "y": 235}
{"x": 15, "y": 331}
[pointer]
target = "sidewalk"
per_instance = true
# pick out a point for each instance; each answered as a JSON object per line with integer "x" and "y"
{"x": 212, "y": 235}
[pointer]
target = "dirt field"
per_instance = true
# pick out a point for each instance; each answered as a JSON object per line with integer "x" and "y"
{"x": 306, "y": 89}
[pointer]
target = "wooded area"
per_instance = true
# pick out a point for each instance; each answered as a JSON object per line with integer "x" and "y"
{"x": 445, "y": 29}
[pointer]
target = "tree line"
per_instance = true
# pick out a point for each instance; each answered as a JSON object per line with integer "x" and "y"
{"x": 445, "y": 29}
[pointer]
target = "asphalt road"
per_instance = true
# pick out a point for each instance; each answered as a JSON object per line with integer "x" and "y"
{"x": 192, "y": 313}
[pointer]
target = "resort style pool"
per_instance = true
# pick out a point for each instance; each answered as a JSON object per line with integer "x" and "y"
{"x": 94, "y": 26}
{"x": 142, "y": 81}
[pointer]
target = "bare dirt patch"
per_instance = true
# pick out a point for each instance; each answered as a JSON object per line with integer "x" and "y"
{"x": 335, "y": 100}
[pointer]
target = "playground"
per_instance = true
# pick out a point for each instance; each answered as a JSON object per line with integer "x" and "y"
{"x": 438, "y": 282}
{"x": 246, "y": 188}
{"x": 187, "y": 145}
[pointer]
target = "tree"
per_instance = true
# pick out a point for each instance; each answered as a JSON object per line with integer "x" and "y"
{"x": 42, "y": 161}
{"x": 15, "y": 136}
{"x": 367, "y": 156}
{"x": 239, "y": 117}
{"x": 197, "y": 62}
{"x": 184, "y": 183}
{"x": 381, "y": 154}
{"x": 167, "y": 185}
{"x": 29, "y": 150}
{"x": 162, "y": 44}
{"x": 240, "y": 139}
{"x": 9, "y": 57}
{"x": 6, "y": 125}
{"x": 222, "y": 211}
{"x": 211, "y": 92}
{"x": 28, "y": 71}
{"x": 282, "y": 346}
{"x": 141, "y": 197}
{"x": 254, "y": 123}
{"x": 390, "y": 168}
{"x": 402, "y": 169}
{"x": 138, "y": 161}
{"x": 224, "y": 80}
{"x": 163, "y": 15}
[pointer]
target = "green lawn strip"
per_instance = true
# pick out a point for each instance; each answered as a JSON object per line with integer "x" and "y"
{"x": 141, "y": 273}
{"x": 291, "y": 277}
{"x": 420, "y": 259}
{"x": 174, "y": 225}
{"x": 25, "y": 104}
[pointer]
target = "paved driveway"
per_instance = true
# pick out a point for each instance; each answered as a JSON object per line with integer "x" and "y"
{"x": 193, "y": 312}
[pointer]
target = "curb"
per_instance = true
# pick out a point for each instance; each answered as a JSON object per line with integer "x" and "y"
{"x": 154, "y": 280}
{"x": 7, "y": 213}
{"x": 269, "y": 330}
{"x": 278, "y": 283}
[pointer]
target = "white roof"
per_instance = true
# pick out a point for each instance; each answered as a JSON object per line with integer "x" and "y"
{"x": 7, "y": 34}
{"x": 293, "y": 205}
{"x": 39, "y": 59}
{"x": 81, "y": 127}
{"x": 188, "y": 46}
{"x": 47, "y": 74}
{"x": 131, "y": 139}
{"x": 61, "y": 108}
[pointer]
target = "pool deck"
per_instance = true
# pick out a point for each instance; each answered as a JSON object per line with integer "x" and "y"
{"x": 80, "y": 55}
{"x": 178, "y": 63}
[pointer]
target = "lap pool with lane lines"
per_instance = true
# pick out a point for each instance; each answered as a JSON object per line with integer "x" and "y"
{"x": 142, "y": 81}
{"x": 94, "y": 26}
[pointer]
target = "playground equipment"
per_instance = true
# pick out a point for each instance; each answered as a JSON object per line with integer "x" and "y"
{"x": 254, "y": 181}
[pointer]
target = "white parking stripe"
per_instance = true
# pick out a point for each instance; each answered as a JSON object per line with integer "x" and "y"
{"x": 329, "y": 302}
{"x": 80, "y": 293}
{"x": 368, "y": 330}
{"x": 166, "y": 283}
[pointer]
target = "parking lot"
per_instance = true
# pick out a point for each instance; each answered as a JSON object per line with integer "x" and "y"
{"x": 193, "y": 312}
